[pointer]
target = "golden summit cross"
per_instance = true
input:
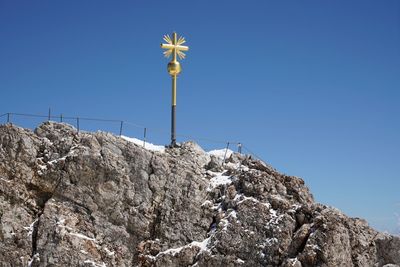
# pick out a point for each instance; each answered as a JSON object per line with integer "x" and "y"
{"x": 174, "y": 46}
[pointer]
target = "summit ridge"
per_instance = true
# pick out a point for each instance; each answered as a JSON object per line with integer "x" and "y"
{"x": 70, "y": 198}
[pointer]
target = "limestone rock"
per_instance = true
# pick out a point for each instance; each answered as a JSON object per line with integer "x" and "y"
{"x": 95, "y": 199}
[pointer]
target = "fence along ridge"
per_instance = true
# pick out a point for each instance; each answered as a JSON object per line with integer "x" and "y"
{"x": 239, "y": 145}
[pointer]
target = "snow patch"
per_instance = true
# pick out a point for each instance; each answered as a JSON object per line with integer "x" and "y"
{"x": 33, "y": 259}
{"x": 70, "y": 231}
{"x": 232, "y": 214}
{"x": 244, "y": 168}
{"x": 43, "y": 167}
{"x": 219, "y": 179}
{"x": 173, "y": 251}
{"x": 293, "y": 262}
{"x": 241, "y": 198}
{"x": 296, "y": 207}
{"x": 220, "y": 153}
{"x": 148, "y": 146}
{"x": 202, "y": 245}
{"x": 30, "y": 227}
{"x": 240, "y": 261}
{"x": 232, "y": 165}
{"x": 225, "y": 223}
{"x": 206, "y": 203}
{"x": 55, "y": 161}
{"x": 78, "y": 235}
{"x": 109, "y": 252}
{"x": 92, "y": 263}
{"x": 271, "y": 241}
{"x": 60, "y": 222}
{"x": 273, "y": 214}
{"x": 275, "y": 220}
{"x": 314, "y": 247}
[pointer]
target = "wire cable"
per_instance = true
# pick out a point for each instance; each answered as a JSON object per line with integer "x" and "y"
{"x": 146, "y": 129}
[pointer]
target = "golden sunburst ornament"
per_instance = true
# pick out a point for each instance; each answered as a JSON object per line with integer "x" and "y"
{"x": 174, "y": 46}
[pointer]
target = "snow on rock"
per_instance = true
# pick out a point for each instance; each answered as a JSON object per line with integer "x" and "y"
{"x": 220, "y": 153}
{"x": 202, "y": 245}
{"x": 236, "y": 166}
{"x": 146, "y": 145}
{"x": 94, "y": 264}
{"x": 271, "y": 241}
{"x": 219, "y": 179}
{"x": 35, "y": 258}
{"x": 273, "y": 213}
{"x": 55, "y": 161}
{"x": 140, "y": 204}
{"x": 240, "y": 261}
{"x": 293, "y": 262}
{"x": 275, "y": 219}
{"x": 81, "y": 236}
{"x": 240, "y": 198}
{"x": 42, "y": 168}
{"x": 30, "y": 227}
{"x": 207, "y": 203}
{"x": 173, "y": 251}
{"x": 233, "y": 214}
{"x": 109, "y": 252}
{"x": 70, "y": 231}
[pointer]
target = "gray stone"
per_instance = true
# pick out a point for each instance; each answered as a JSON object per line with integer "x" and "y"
{"x": 95, "y": 199}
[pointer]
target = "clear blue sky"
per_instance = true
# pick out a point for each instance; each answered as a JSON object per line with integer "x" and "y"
{"x": 313, "y": 87}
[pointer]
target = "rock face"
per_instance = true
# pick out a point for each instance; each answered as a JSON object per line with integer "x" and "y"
{"x": 94, "y": 199}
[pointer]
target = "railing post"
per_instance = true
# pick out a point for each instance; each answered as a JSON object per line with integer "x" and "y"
{"x": 120, "y": 128}
{"x": 77, "y": 124}
{"x": 240, "y": 148}
{"x": 144, "y": 137}
{"x": 226, "y": 151}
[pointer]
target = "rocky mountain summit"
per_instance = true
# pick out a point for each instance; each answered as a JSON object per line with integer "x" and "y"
{"x": 95, "y": 199}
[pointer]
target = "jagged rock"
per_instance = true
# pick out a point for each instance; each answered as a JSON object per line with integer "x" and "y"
{"x": 95, "y": 199}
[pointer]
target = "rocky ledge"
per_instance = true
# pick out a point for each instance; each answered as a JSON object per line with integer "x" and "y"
{"x": 95, "y": 199}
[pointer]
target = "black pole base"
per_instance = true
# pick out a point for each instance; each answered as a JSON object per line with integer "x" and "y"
{"x": 174, "y": 145}
{"x": 173, "y": 126}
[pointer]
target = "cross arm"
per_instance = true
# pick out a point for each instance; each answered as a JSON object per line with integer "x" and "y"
{"x": 177, "y": 47}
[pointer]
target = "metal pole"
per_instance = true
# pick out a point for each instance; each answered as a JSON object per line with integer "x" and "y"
{"x": 120, "y": 128}
{"x": 77, "y": 124}
{"x": 61, "y": 118}
{"x": 174, "y": 48}
{"x": 226, "y": 151}
{"x": 8, "y": 117}
{"x": 240, "y": 148}
{"x": 49, "y": 115}
{"x": 144, "y": 137}
{"x": 173, "y": 112}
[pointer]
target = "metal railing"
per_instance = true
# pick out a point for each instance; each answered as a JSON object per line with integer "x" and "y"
{"x": 120, "y": 125}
